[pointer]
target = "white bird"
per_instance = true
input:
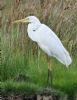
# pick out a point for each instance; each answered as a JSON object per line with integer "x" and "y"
{"x": 47, "y": 40}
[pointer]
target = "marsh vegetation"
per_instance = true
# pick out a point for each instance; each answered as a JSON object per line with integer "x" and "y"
{"x": 23, "y": 66}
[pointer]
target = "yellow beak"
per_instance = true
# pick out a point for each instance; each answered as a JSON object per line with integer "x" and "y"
{"x": 25, "y": 20}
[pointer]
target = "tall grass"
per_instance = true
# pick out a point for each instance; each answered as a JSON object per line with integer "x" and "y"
{"x": 20, "y": 56}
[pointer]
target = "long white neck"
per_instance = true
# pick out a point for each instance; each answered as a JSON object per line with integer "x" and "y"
{"x": 32, "y": 28}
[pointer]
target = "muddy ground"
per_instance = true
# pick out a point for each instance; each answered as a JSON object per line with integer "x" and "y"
{"x": 46, "y": 94}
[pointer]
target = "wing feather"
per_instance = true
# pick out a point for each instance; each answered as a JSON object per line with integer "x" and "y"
{"x": 52, "y": 45}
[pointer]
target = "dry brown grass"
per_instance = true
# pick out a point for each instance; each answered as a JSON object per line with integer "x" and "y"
{"x": 58, "y": 14}
{"x": 19, "y": 55}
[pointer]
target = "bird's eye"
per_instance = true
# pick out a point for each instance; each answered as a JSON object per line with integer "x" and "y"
{"x": 34, "y": 30}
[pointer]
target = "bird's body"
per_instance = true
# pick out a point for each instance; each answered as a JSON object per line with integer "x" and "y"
{"x": 49, "y": 42}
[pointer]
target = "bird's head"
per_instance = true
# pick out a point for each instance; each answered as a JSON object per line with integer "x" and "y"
{"x": 29, "y": 19}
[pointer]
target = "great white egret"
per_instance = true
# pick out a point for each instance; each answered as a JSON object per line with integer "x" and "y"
{"x": 47, "y": 40}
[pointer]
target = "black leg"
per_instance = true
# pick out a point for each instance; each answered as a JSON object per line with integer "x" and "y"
{"x": 49, "y": 78}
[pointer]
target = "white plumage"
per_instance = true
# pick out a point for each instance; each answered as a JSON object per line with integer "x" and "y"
{"x": 48, "y": 42}
{"x": 46, "y": 39}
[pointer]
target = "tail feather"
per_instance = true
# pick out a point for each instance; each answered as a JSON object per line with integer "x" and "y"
{"x": 64, "y": 57}
{"x": 68, "y": 59}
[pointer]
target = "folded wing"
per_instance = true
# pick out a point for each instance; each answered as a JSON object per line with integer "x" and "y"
{"x": 51, "y": 44}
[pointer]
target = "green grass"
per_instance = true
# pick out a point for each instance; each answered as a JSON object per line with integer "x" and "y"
{"x": 16, "y": 49}
{"x": 17, "y": 60}
{"x": 64, "y": 79}
{"x": 11, "y": 86}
